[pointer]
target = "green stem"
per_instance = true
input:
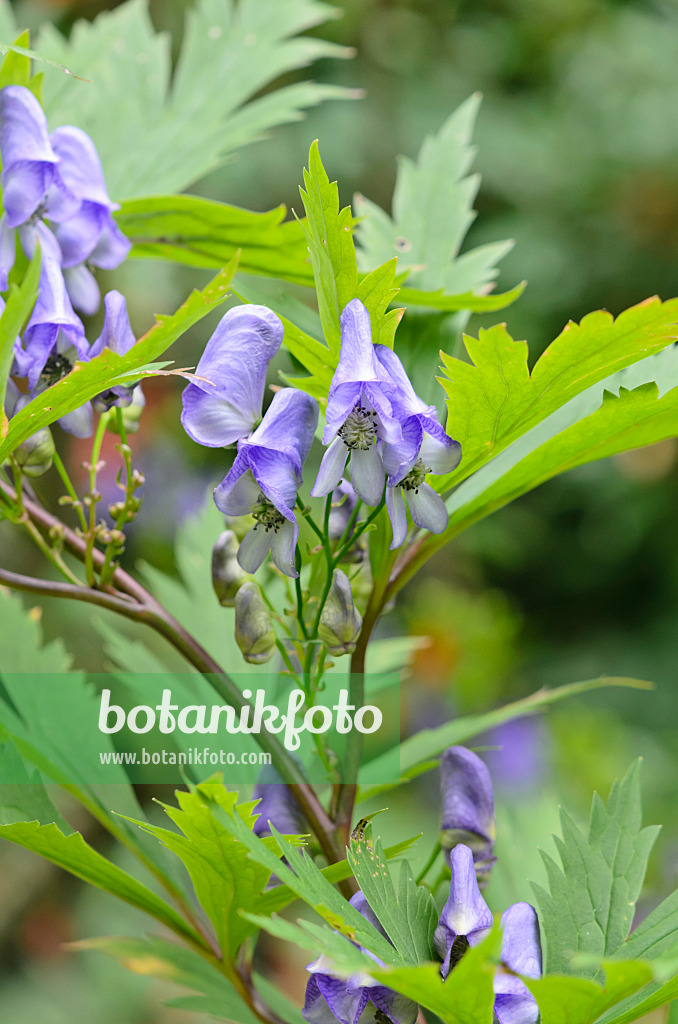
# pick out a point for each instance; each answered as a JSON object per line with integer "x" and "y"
{"x": 72, "y": 493}
{"x": 93, "y": 470}
{"x": 433, "y": 856}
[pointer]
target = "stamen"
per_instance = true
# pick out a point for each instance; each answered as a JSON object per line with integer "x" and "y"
{"x": 267, "y": 515}
{"x": 416, "y": 476}
{"x": 56, "y": 367}
{"x": 459, "y": 947}
{"x": 359, "y": 429}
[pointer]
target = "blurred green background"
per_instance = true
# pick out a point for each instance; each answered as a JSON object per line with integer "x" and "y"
{"x": 578, "y": 149}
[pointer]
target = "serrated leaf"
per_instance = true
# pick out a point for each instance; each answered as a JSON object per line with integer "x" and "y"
{"x": 156, "y": 134}
{"x": 408, "y": 915}
{"x": 23, "y": 797}
{"x": 224, "y": 877}
{"x": 592, "y": 893}
{"x": 452, "y": 303}
{"x": 429, "y": 743}
{"x": 568, "y": 1000}
{"x": 494, "y": 399}
{"x": 432, "y": 211}
{"x": 72, "y": 853}
{"x": 23, "y": 51}
{"x": 88, "y": 379}
{"x": 205, "y": 233}
{"x": 656, "y": 934}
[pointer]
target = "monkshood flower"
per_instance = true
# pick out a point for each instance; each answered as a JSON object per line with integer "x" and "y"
{"x": 265, "y": 478}
{"x": 225, "y": 405}
{"x": 344, "y": 501}
{"x": 330, "y": 999}
{"x": 466, "y": 920}
{"x": 521, "y": 954}
{"x": 468, "y": 808}
{"x": 359, "y": 412}
{"x": 59, "y": 178}
{"x": 117, "y": 336}
{"x": 424, "y": 448}
{"x": 54, "y": 336}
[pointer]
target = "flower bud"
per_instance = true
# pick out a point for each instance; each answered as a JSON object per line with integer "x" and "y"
{"x": 227, "y": 576}
{"x": 253, "y": 630}
{"x": 344, "y": 500}
{"x": 468, "y": 808}
{"x": 36, "y": 454}
{"x": 340, "y": 622}
{"x": 278, "y": 806}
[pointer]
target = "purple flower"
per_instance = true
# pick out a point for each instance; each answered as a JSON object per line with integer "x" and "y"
{"x": 344, "y": 501}
{"x": 226, "y": 406}
{"x": 52, "y": 331}
{"x": 424, "y": 448}
{"x": 468, "y": 807}
{"x": 265, "y": 478}
{"x": 29, "y": 164}
{"x": 88, "y": 233}
{"x": 330, "y": 999}
{"x": 466, "y": 918}
{"x": 117, "y": 336}
{"x": 359, "y": 412}
{"x": 521, "y": 954}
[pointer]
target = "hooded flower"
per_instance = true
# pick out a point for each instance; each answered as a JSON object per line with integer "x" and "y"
{"x": 265, "y": 478}
{"x": 424, "y": 448}
{"x": 52, "y": 329}
{"x": 226, "y": 404}
{"x": 466, "y": 918}
{"x": 330, "y": 999}
{"x": 117, "y": 336}
{"x": 359, "y": 412}
{"x": 521, "y": 954}
{"x": 468, "y": 807}
{"x": 29, "y": 164}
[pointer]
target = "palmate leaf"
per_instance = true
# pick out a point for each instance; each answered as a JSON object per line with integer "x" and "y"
{"x": 494, "y": 399}
{"x": 204, "y": 233}
{"x": 591, "y": 899}
{"x": 88, "y": 379}
{"x": 432, "y": 211}
{"x": 156, "y": 134}
{"x": 408, "y": 914}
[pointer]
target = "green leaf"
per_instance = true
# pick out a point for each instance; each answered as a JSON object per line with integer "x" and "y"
{"x": 20, "y": 302}
{"x": 465, "y": 997}
{"x": 8, "y": 76}
{"x": 568, "y": 1000}
{"x": 656, "y": 934}
{"x": 204, "y": 233}
{"x": 429, "y": 743}
{"x": 225, "y": 879}
{"x": 328, "y": 232}
{"x": 432, "y": 211}
{"x": 446, "y": 303}
{"x": 642, "y": 1003}
{"x": 88, "y": 379}
{"x": 72, "y": 853}
{"x": 591, "y": 899}
{"x": 23, "y": 797}
{"x": 408, "y": 915}
{"x": 158, "y": 958}
{"x": 494, "y": 399}
{"x": 157, "y": 134}
{"x": 346, "y": 957}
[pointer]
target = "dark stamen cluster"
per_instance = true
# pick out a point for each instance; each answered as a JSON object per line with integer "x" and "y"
{"x": 459, "y": 947}
{"x": 267, "y": 515}
{"x": 56, "y": 367}
{"x": 359, "y": 429}
{"x": 416, "y": 476}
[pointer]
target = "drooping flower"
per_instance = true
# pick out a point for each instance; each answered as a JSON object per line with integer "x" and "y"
{"x": 265, "y": 478}
{"x": 520, "y": 954}
{"x": 468, "y": 807}
{"x": 424, "y": 448}
{"x": 330, "y": 999}
{"x": 359, "y": 412}
{"x": 117, "y": 336}
{"x": 226, "y": 405}
{"x": 344, "y": 501}
{"x": 466, "y": 918}
{"x": 29, "y": 163}
{"x": 53, "y": 330}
